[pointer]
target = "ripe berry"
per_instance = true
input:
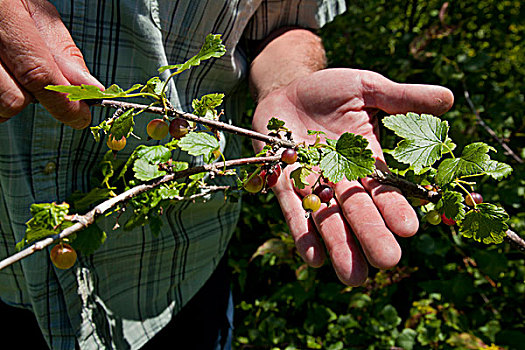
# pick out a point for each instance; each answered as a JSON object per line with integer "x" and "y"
{"x": 254, "y": 184}
{"x": 289, "y": 156}
{"x": 433, "y": 217}
{"x": 272, "y": 176}
{"x": 157, "y": 129}
{"x": 63, "y": 256}
{"x": 116, "y": 145}
{"x": 311, "y": 202}
{"x": 478, "y": 198}
{"x": 325, "y": 193}
{"x": 447, "y": 221}
{"x": 178, "y": 128}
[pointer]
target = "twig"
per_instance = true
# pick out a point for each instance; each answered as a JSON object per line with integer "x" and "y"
{"x": 487, "y": 128}
{"x": 89, "y": 218}
{"x": 410, "y": 189}
{"x": 205, "y": 121}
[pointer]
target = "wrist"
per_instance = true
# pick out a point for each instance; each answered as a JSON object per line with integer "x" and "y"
{"x": 291, "y": 55}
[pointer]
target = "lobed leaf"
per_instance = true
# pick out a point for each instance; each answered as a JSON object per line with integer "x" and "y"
{"x": 497, "y": 170}
{"x": 275, "y": 124}
{"x": 199, "y": 143}
{"x": 212, "y": 47}
{"x": 123, "y": 125}
{"x": 486, "y": 223}
{"x": 473, "y": 161}
{"x": 91, "y": 92}
{"x": 424, "y": 139}
{"x": 47, "y": 220}
{"x": 451, "y": 204}
{"x": 349, "y": 158}
{"x": 299, "y": 176}
{"x": 94, "y": 196}
{"x": 89, "y": 240}
{"x": 206, "y": 106}
{"x": 146, "y": 165}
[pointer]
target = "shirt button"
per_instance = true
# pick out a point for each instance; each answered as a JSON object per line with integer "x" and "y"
{"x": 50, "y": 168}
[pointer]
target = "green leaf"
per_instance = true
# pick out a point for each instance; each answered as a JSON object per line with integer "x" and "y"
{"x": 486, "y": 223}
{"x": 407, "y": 339}
{"x": 473, "y": 161}
{"x": 94, "y": 196}
{"x": 146, "y": 165}
{"x": 154, "y": 154}
{"x": 155, "y": 224}
{"x": 123, "y": 125}
{"x": 275, "y": 124}
{"x": 497, "y": 170}
{"x": 48, "y": 215}
{"x": 154, "y": 86}
{"x": 199, "y": 143}
{"x": 47, "y": 220}
{"x": 205, "y": 107}
{"x": 424, "y": 139}
{"x": 146, "y": 171}
{"x": 91, "y": 92}
{"x": 451, "y": 204}
{"x": 350, "y": 158}
{"x": 299, "y": 176}
{"x": 89, "y": 240}
{"x": 310, "y": 155}
{"x": 166, "y": 192}
{"x": 212, "y": 47}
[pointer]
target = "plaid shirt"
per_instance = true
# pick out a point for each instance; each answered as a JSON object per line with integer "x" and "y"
{"x": 122, "y": 295}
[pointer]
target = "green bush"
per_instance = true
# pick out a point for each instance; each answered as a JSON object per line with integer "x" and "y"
{"x": 447, "y": 292}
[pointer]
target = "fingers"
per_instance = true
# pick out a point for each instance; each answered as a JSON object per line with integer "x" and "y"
{"x": 347, "y": 259}
{"x": 303, "y": 231}
{"x": 382, "y": 93}
{"x": 36, "y": 50}
{"x": 66, "y": 54}
{"x": 377, "y": 242}
{"x": 13, "y": 99}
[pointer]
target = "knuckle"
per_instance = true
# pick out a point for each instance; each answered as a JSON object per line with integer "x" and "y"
{"x": 72, "y": 50}
{"x": 11, "y": 103}
{"x": 35, "y": 78}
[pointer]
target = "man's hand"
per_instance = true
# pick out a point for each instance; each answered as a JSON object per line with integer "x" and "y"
{"x": 337, "y": 101}
{"x": 36, "y": 50}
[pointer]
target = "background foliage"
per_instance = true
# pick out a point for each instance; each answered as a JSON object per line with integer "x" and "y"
{"x": 447, "y": 292}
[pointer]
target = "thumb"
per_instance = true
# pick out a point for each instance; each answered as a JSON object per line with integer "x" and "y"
{"x": 392, "y": 97}
{"x": 66, "y": 54}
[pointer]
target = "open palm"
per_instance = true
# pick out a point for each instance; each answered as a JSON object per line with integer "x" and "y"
{"x": 337, "y": 101}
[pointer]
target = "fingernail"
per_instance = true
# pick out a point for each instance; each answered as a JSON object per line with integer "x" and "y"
{"x": 76, "y": 72}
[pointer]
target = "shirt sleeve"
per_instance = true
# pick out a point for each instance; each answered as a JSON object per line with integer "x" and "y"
{"x": 274, "y": 14}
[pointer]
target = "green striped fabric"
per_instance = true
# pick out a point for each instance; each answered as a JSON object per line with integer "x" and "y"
{"x": 122, "y": 295}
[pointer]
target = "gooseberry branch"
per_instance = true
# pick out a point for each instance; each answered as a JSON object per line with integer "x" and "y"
{"x": 171, "y": 112}
{"x": 82, "y": 221}
{"x": 410, "y": 189}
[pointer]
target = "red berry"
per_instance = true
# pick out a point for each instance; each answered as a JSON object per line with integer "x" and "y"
{"x": 116, "y": 145}
{"x": 289, "y": 156}
{"x": 272, "y": 176}
{"x": 325, "y": 193}
{"x": 254, "y": 184}
{"x": 157, "y": 129}
{"x": 447, "y": 221}
{"x": 478, "y": 198}
{"x": 178, "y": 128}
{"x": 63, "y": 256}
{"x": 311, "y": 202}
